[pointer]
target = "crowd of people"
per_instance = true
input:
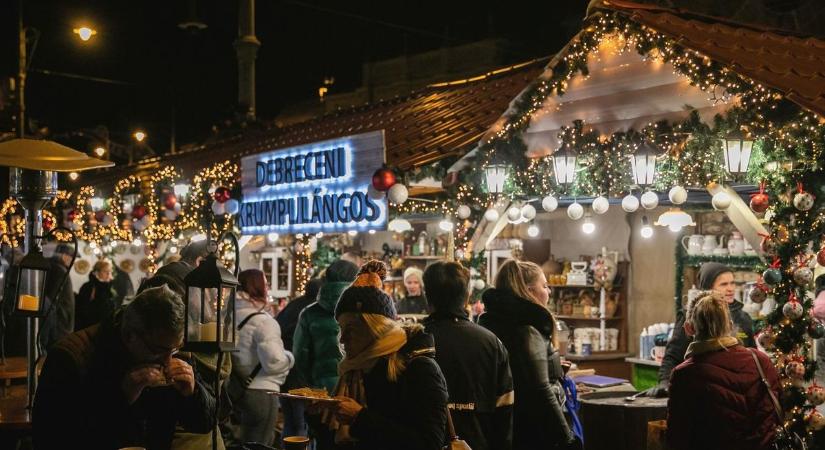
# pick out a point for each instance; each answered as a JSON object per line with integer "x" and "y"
{"x": 121, "y": 380}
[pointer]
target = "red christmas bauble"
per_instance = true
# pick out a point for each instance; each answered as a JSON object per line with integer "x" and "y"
{"x": 760, "y": 202}
{"x": 100, "y": 215}
{"x": 72, "y": 215}
{"x": 170, "y": 201}
{"x": 48, "y": 223}
{"x": 138, "y": 211}
{"x": 222, "y": 194}
{"x": 820, "y": 257}
{"x": 383, "y": 179}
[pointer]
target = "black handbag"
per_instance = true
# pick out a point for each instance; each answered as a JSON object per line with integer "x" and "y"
{"x": 789, "y": 440}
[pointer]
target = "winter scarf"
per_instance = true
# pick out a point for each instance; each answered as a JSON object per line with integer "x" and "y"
{"x": 390, "y": 337}
{"x": 710, "y": 345}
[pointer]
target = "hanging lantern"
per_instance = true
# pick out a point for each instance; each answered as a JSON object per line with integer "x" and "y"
{"x": 210, "y": 303}
{"x": 31, "y": 278}
{"x": 564, "y": 165}
{"x": 496, "y": 175}
{"x": 643, "y": 163}
{"x": 737, "y": 148}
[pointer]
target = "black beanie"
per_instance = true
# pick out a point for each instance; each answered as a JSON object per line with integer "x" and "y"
{"x": 366, "y": 294}
{"x": 708, "y": 273}
{"x": 820, "y": 284}
{"x": 341, "y": 270}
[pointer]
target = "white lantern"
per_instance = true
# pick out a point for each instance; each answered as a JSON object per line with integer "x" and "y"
{"x": 564, "y": 165}
{"x": 643, "y": 162}
{"x": 737, "y": 148}
{"x": 496, "y": 176}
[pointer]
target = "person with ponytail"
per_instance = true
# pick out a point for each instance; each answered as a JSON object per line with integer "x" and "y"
{"x": 391, "y": 393}
{"x": 516, "y": 312}
{"x": 718, "y": 398}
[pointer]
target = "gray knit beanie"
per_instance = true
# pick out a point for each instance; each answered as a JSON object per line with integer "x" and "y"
{"x": 708, "y": 273}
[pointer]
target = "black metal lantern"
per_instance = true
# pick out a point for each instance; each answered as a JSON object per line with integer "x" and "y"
{"x": 564, "y": 165}
{"x": 643, "y": 162}
{"x": 737, "y": 149}
{"x": 30, "y": 298}
{"x": 210, "y": 303}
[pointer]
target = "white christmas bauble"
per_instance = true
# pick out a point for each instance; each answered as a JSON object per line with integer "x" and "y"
{"x": 491, "y": 215}
{"x": 677, "y": 195}
{"x": 459, "y": 254}
{"x": 528, "y": 212}
{"x": 803, "y": 276}
{"x": 795, "y": 369}
{"x": 398, "y": 194}
{"x": 232, "y": 206}
{"x": 816, "y": 394}
{"x": 513, "y": 214}
{"x": 463, "y": 212}
{"x": 650, "y": 200}
{"x": 170, "y": 214}
{"x": 600, "y": 205}
{"x": 630, "y": 203}
{"x": 478, "y": 284}
{"x": 803, "y": 201}
{"x": 549, "y": 203}
{"x": 373, "y": 193}
{"x": 575, "y": 211}
{"x": 218, "y": 208}
{"x": 766, "y": 339}
{"x": 720, "y": 201}
{"x": 127, "y": 208}
{"x": 793, "y": 310}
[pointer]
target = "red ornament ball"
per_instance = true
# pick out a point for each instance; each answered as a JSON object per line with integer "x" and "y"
{"x": 138, "y": 211}
{"x": 72, "y": 215}
{"x": 383, "y": 179}
{"x": 48, "y": 223}
{"x": 820, "y": 257}
{"x": 100, "y": 215}
{"x": 222, "y": 194}
{"x": 760, "y": 202}
{"x": 170, "y": 201}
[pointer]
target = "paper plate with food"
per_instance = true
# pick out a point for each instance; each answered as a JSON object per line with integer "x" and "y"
{"x": 307, "y": 394}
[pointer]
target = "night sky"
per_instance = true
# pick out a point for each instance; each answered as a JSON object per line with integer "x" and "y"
{"x": 192, "y": 76}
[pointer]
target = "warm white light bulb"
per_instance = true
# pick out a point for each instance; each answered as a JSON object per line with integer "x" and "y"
{"x": 647, "y": 231}
{"x": 588, "y": 227}
{"x": 675, "y": 228}
{"x": 445, "y": 225}
{"x": 272, "y": 237}
{"x": 533, "y": 231}
{"x": 352, "y": 232}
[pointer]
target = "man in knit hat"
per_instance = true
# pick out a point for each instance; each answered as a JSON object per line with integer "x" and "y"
{"x": 717, "y": 277}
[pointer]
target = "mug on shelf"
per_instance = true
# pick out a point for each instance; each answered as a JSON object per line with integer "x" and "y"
{"x": 657, "y": 353}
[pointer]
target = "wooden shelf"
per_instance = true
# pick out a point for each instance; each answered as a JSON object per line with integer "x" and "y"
{"x": 559, "y": 316}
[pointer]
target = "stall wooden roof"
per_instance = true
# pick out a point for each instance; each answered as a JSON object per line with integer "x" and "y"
{"x": 794, "y": 65}
{"x": 438, "y": 121}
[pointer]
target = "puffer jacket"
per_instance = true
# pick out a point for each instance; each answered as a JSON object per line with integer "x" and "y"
{"x": 678, "y": 343}
{"x": 260, "y": 341}
{"x": 408, "y": 414}
{"x": 718, "y": 401}
{"x": 316, "y": 346}
{"x": 525, "y": 329}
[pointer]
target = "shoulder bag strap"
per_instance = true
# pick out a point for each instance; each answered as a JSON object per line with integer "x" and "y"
{"x": 258, "y": 366}
{"x": 777, "y": 407}
{"x": 450, "y": 426}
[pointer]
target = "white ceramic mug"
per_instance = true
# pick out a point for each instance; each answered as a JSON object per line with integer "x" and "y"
{"x": 694, "y": 244}
{"x": 657, "y": 353}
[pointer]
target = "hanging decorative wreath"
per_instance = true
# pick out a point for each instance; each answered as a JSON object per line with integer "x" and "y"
{"x": 164, "y": 206}
{"x": 132, "y": 216}
{"x": 211, "y": 185}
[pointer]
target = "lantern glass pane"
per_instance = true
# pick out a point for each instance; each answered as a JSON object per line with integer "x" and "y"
{"x": 227, "y": 314}
{"x": 30, "y": 289}
{"x": 733, "y": 149}
{"x": 496, "y": 176}
{"x": 194, "y": 298}
{"x": 203, "y": 308}
{"x": 745, "y": 158}
{"x": 564, "y": 168}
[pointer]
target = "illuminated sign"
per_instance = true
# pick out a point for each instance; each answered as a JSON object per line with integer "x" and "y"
{"x": 312, "y": 188}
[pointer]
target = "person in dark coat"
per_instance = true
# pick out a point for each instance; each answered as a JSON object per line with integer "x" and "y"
{"x": 288, "y": 317}
{"x": 117, "y": 384}
{"x": 94, "y": 302}
{"x": 716, "y": 277}
{"x": 718, "y": 399}
{"x": 59, "y": 293}
{"x": 473, "y": 360}
{"x": 391, "y": 393}
{"x": 517, "y": 315}
{"x": 122, "y": 284}
{"x": 414, "y": 302}
{"x": 190, "y": 257}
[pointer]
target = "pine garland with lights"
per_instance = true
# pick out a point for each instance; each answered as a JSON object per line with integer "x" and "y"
{"x": 199, "y": 206}
{"x": 162, "y": 229}
{"x": 303, "y": 262}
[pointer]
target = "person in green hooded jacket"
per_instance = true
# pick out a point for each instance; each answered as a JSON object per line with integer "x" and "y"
{"x": 315, "y": 344}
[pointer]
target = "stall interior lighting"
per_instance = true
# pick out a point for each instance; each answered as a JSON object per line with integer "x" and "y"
{"x": 675, "y": 219}
{"x": 533, "y": 230}
{"x": 588, "y": 227}
{"x": 646, "y": 230}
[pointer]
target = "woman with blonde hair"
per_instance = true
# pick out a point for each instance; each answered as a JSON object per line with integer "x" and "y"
{"x": 719, "y": 397}
{"x": 95, "y": 301}
{"x": 517, "y": 314}
{"x": 391, "y": 393}
{"x": 414, "y": 302}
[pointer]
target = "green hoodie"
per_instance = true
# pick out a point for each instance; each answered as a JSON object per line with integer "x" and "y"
{"x": 315, "y": 345}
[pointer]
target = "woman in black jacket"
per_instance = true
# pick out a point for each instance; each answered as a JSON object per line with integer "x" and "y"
{"x": 95, "y": 301}
{"x": 518, "y": 316}
{"x": 391, "y": 392}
